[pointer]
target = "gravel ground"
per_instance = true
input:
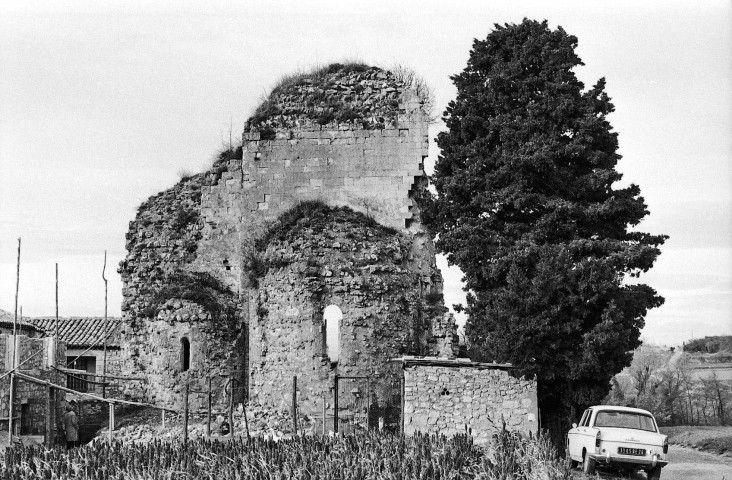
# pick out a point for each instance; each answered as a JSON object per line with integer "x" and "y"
{"x": 685, "y": 464}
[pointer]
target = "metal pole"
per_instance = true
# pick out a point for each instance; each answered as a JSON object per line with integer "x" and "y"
{"x": 231, "y": 408}
{"x": 106, "y": 328}
{"x": 12, "y": 376}
{"x": 208, "y": 420}
{"x": 335, "y": 404}
{"x": 185, "y": 413}
{"x": 163, "y": 417}
{"x": 294, "y": 404}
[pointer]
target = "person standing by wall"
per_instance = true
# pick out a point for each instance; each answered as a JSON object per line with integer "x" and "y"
{"x": 71, "y": 425}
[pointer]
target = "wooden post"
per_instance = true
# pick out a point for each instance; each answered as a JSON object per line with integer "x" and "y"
{"x": 48, "y": 435}
{"x": 246, "y": 421}
{"x": 335, "y": 404}
{"x": 294, "y": 404}
{"x": 324, "y": 418}
{"x": 106, "y": 326}
{"x": 185, "y": 413}
{"x": 111, "y": 421}
{"x": 12, "y": 376}
{"x": 78, "y": 412}
{"x": 208, "y": 419}
{"x": 162, "y": 412}
{"x": 231, "y": 407}
{"x": 55, "y": 359}
{"x": 368, "y": 402}
{"x": 401, "y": 413}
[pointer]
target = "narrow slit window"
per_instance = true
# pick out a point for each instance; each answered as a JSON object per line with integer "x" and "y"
{"x": 185, "y": 354}
{"x": 332, "y": 316}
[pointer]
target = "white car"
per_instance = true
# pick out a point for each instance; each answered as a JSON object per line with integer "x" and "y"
{"x": 621, "y": 437}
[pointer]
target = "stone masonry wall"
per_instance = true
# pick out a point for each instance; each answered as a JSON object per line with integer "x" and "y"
{"x": 169, "y": 293}
{"x": 204, "y": 232}
{"x": 373, "y": 172}
{"x": 212, "y": 354}
{"x": 342, "y": 258}
{"x": 452, "y": 400}
{"x": 30, "y": 398}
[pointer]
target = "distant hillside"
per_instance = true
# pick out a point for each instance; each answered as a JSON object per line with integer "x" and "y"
{"x": 714, "y": 344}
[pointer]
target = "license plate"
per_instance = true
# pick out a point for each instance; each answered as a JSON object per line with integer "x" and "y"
{"x": 638, "y": 452}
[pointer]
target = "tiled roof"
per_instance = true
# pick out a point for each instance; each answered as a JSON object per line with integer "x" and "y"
{"x": 81, "y": 332}
{"x": 6, "y": 320}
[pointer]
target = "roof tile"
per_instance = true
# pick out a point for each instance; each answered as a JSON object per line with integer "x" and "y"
{"x": 81, "y": 331}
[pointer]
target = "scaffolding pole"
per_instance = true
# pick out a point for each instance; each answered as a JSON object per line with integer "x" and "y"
{"x": 11, "y": 394}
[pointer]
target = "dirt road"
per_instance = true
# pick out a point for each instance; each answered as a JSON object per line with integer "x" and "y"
{"x": 686, "y": 464}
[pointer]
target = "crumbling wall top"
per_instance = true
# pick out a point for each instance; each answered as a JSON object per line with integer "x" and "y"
{"x": 345, "y": 96}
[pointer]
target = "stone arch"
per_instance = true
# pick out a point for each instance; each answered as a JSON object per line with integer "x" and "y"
{"x": 332, "y": 321}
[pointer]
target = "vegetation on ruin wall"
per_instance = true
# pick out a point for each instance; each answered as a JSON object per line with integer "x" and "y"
{"x": 319, "y": 219}
{"x": 162, "y": 240}
{"x": 350, "y": 93}
{"x": 366, "y": 456}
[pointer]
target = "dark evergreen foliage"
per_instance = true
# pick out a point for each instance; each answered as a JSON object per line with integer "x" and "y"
{"x": 529, "y": 209}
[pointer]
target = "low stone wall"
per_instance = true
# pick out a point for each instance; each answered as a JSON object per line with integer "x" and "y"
{"x": 467, "y": 399}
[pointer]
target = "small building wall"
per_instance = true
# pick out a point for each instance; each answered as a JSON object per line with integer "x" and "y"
{"x": 115, "y": 388}
{"x": 30, "y": 398}
{"x": 113, "y": 359}
{"x": 467, "y": 399}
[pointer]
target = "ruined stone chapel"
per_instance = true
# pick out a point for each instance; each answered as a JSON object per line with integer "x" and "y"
{"x": 231, "y": 273}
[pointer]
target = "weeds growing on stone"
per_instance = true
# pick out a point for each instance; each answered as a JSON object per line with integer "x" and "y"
{"x": 230, "y": 152}
{"x": 337, "y": 94}
{"x": 424, "y": 93}
{"x": 198, "y": 287}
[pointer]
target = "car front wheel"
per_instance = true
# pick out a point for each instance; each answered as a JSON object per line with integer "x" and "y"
{"x": 588, "y": 465}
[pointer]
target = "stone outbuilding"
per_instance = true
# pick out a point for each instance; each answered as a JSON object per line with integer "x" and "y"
{"x": 452, "y": 396}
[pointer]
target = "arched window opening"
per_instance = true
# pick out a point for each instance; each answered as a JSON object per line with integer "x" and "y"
{"x": 185, "y": 354}
{"x": 332, "y": 316}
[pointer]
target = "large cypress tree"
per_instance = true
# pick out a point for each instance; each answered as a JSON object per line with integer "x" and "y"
{"x": 528, "y": 208}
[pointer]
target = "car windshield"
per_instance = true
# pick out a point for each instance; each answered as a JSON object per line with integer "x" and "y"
{"x": 638, "y": 421}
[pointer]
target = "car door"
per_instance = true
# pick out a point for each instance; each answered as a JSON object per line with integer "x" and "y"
{"x": 575, "y": 437}
{"x": 584, "y": 439}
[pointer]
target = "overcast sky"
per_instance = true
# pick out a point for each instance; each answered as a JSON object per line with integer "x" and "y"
{"x": 103, "y": 103}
